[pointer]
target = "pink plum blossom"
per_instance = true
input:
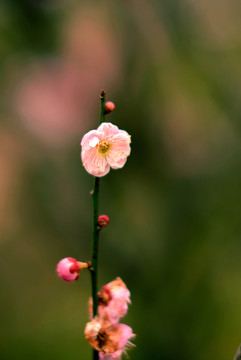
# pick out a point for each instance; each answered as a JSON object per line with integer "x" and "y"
{"x": 114, "y": 298}
{"x": 69, "y": 268}
{"x": 118, "y": 290}
{"x": 107, "y": 338}
{"x": 113, "y": 301}
{"x": 113, "y": 311}
{"x": 105, "y": 148}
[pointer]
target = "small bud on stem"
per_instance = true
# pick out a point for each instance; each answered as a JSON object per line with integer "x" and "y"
{"x": 109, "y": 107}
{"x": 103, "y": 220}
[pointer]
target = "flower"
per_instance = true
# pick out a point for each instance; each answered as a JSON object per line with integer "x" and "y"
{"x": 69, "y": 268}
{"x": 108, "y": 338}
{"x": 104, "y": 333}
{"x": 113, "y": 300}
{"x": 113, "y": 311}
{"x": 105, "y": 148}
{"x": 118, "y": 290}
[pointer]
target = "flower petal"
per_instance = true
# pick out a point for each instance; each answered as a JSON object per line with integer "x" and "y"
{"x": 126, "y": 334}
{"x": 115, "y": 356}
{"x": 108, "y": 130}
{"x": 95, "y": 163}
{"x": 117, "y": 164}
{"x": 119, "y": 150}
{"x": 85, "y": 142}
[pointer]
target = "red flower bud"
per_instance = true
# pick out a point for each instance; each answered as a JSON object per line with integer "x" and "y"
{"x": 69, "y": 268}
{"x": 109, "y": 107}
{"x": 103, "y": 220}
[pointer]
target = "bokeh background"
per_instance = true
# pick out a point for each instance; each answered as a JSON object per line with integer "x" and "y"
{"x": 173, "y": 69}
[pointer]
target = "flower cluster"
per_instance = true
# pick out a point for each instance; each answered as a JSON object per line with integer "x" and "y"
{"x": 102, "y": 149}
{"x": 104, "y": 333}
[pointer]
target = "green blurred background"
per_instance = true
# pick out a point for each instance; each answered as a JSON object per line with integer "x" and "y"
{"x": 173, "y": 69}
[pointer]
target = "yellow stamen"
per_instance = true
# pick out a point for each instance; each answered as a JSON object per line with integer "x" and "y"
{"x": 103, "y": 146}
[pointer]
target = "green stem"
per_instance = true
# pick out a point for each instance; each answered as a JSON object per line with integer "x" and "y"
{"x": 102, "y": 106}
{"x": 95, "y": 244}
{"x": 96, "y": 230}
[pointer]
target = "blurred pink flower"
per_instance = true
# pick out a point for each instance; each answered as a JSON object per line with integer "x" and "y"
{"x": 54, "y": 100}
{"x": 105, "y": 148}
{"x": 118, "y": 290}
{"x": 114, "y": 298}
{"x": 113, "y": 311}
{"x": 115, "y": 356}
{"x": 91, "y": 41}
{"x": 113, "y": 301}
{"x": 69, "y": 268}
{"x": 107, "y": 338}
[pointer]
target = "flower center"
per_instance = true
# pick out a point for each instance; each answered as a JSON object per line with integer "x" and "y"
{"x": 102, "y": 338}
{"x": 103, "y": 146}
